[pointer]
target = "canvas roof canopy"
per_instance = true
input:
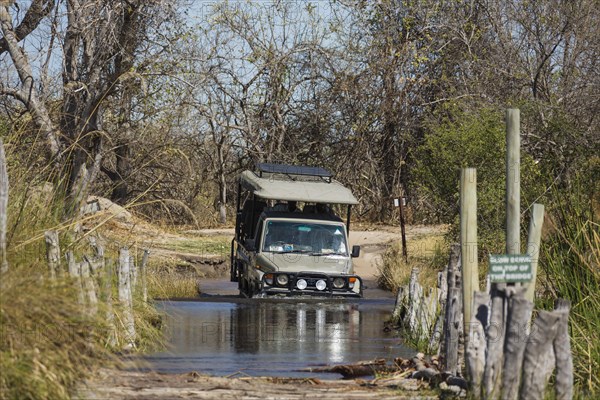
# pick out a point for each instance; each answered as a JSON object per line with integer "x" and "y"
{"x": 272, "y": 187}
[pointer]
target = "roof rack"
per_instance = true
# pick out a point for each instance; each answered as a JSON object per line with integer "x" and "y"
{"x": 290, "y": 170}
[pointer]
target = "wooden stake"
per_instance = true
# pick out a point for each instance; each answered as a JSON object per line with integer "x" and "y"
{"x": 513, "y": 186}
{"x": 110, "y": 316}
{"x": 438, "y": 328}
{"x": 75, "y": 273}
{"x": 125, "y": 298}
{"x": 89, "y": 287}
{"x": 495, "y": 344}
{"x": 562, "y": 352}
{"x": 538, "y": 353}
{"x": 134, "y": 274}
{"x": 53, "y": 253}
{"x": 519, "y": 312}
{"x": 533, "y": 246}
{"x": 468, "y": 241}
{"x": 476, "y": 345}
{"x": 453, "y": 311}
{"x": 143, "y": 273}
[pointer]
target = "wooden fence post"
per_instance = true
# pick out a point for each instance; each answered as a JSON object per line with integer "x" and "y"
{"x": 476, "y": 345}
{"x": 110, "y": 316}
{"x": 562, "y": 352}
{"x": 519, "y": 312}
{"x": 495, "y": 343}
{"x": 415, "y": 297}
{"x": 143, "y": 275}
{"x": 468, "y": 241}
{"x": 133, "y": 272}
{"x": 75, "y": 273}
{"x": 513, "y": 186}
{"x": 453, "y": 312}
{"x": 53, "y": 253}
{"x": 125, "y": 298}
{"x": 533, "y": 246}
{"x": 90, "y": 289}
{"x": 438, "y": 328}
{"x": 3, "y": 208}
{"x": 538, "y": 354}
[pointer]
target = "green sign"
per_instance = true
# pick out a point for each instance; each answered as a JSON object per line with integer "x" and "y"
{"x": 510, "y": 268}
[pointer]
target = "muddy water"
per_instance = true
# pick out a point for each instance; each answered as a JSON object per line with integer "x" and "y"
{"x": 267, "y": 338}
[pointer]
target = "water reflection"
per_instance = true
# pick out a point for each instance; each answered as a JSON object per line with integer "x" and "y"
{"x": 263, "y": 338}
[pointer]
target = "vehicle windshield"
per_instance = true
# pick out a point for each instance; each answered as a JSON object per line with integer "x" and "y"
{"x": 303, "y": 237}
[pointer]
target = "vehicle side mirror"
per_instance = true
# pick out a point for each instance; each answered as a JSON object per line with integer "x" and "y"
{"x": 355, "y": 251}
{"x": 250, "y": 245}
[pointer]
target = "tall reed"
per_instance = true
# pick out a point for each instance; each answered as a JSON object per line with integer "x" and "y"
{"x": 570, "y": 266}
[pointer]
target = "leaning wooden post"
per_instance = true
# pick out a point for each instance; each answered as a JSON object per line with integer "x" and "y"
{"x": 533, "y": 246}
{"x": 125, "y": 298}
{"x": 468, "y": 241}
{"x": 3, "y": 208}
{"x": 143, "y": 275}
{"x": 53, "y": 253}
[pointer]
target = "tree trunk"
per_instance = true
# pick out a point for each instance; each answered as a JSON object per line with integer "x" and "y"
{"x": 120, "y": 181}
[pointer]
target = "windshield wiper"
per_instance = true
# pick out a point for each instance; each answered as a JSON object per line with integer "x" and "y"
{"x": 329, "y": 253}
{"x": 290, "y": 251}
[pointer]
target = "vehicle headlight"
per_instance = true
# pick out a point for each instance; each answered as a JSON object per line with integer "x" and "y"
{"x": 282, "y": 280}
{"x": 301, "y": 284}
{"x": 268, "y": 279}
{"x": 321, "y": 285}
{"x": 339, "y": 283}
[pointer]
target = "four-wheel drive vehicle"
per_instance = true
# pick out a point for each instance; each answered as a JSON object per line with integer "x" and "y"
{"x": 280, "y": 248}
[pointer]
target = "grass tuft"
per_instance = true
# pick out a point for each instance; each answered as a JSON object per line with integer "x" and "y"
{"x": 47, "y": 344}
{"x": 428, "y": 253}
{"x": 570, "y": 269}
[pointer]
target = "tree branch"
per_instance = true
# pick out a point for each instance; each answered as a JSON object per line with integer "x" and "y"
{"x": 36, "y": 12}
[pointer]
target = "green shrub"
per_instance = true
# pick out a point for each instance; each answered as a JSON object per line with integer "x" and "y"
{"x": 470, "y": 139}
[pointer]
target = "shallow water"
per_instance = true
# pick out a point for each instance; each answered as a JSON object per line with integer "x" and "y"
{"x": 271, "y": 338}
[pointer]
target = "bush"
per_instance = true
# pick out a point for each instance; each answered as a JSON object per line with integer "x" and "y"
{"x": 470, "y": 139}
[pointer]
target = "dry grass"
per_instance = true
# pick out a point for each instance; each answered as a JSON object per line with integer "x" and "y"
{"x": 166, "y": 280}
{"x": 428, "y": 253}
{"x": 47, "y": 342}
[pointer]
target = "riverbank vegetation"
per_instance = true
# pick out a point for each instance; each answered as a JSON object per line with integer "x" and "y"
{"x": 158, "y": 105}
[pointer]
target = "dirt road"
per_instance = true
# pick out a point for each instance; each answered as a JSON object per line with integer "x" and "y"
{"x": 127, "y": 385}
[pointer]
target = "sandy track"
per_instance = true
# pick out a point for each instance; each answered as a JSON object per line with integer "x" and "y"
{"x": 130, "y": 385}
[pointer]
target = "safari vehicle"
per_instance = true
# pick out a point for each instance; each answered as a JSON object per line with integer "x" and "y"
{"x": 288, "y": 241}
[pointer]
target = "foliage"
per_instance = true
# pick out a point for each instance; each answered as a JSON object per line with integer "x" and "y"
{"x": 47, "y": 343}
{"x": 570, "y": 269}
{"x": 48, "y": 340}
{"x": 470, "y": 139}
